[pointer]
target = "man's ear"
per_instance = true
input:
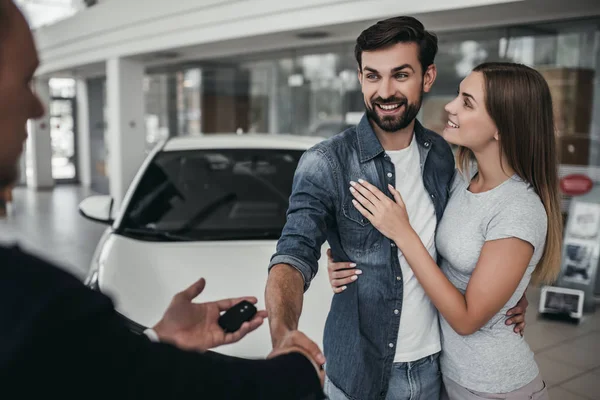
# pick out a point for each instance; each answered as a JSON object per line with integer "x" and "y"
{"x": 429, "y": 78}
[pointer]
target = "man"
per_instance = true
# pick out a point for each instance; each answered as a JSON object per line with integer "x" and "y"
{"x": 382, "y": 338}
{"x": 59, "y": 338}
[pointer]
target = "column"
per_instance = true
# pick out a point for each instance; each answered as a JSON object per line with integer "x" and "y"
{"x": 274, "y": 98}
{"x": 98, "y": 146}
{"x": 83, "y": 134}
{"x": 40, "y": 142}
{"x": 126, "y": 127}
{"x": 172, "y": 111}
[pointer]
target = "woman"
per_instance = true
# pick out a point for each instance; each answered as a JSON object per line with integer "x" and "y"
{"x": 501, "y": 228}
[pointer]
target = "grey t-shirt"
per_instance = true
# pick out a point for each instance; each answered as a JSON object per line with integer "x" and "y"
{"x": 494, "y": 359}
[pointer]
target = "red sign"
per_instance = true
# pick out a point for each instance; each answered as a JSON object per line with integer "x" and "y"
{"x": 576, "y": 184}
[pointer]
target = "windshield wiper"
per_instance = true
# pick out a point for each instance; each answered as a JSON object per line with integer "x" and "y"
{"x": 157, "y": 234}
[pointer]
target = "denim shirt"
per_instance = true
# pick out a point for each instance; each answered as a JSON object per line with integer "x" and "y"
{"x": 361, "y": 329}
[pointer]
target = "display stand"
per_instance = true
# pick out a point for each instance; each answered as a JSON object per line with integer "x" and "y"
{"x": 578, "y": 286}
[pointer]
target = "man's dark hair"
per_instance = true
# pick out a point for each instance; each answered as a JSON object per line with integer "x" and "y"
{"x": 395, "y": 30}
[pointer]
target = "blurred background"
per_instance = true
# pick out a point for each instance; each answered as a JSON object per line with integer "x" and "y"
{"x": 285, "y": 68}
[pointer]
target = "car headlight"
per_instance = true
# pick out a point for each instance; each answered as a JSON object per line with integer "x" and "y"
{"x": 92, "y": 281}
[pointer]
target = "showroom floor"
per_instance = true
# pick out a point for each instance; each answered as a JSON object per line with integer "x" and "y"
{"x": 48, "y": 223}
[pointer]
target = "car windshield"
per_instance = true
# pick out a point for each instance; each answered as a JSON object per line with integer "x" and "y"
{"x": 230, "y": 194}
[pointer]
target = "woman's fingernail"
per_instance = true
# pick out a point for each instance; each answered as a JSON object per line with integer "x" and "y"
{"x": 344, "y": 287}
{"x": 360, "y": 181}
{"x": 352, "y": 183}
{"x": 352, "y": 189}
{"x": 358, "y": 272}
{"x": 509, "y": 322}
{"x": 352, "y": 265}
{"x": 354, "y": 277}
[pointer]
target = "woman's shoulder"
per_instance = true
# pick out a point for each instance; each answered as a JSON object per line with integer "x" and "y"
{"x": 520, "y": 209}
{"x": 461, "y": 179}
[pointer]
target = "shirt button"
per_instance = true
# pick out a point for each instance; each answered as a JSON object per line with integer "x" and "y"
{"x": 393, "y": 244}
{"x": 426, "y": 144}
{"x": 396, "y": 312}
{"x": 432, "y": 196}
{"x": 398, "y": 278}
{"x": 382, "y": 394}
{"x": 389, "y": 174}
{"x": 391, "y": 345}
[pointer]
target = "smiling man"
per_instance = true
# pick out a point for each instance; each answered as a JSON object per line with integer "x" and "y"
{"x": 382, "y": 338}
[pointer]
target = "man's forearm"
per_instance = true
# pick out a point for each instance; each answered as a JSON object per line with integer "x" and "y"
{"x": 284, "y": 296}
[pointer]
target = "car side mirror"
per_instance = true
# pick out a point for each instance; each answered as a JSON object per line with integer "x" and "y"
{"x": 97, "y": 209}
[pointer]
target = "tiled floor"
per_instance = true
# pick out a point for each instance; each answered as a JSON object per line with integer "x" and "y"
{"x": 48, "y": 223}
{"x": 568, "y": 355}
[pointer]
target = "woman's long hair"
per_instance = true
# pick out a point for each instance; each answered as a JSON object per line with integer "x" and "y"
{"x": 518, "y": 100}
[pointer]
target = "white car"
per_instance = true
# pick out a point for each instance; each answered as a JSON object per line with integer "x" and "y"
{"x": 211, "y": 206}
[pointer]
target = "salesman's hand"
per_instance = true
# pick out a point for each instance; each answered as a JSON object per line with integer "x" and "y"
{"x": 298, "y": 342}
{"x": 193, "y": 326}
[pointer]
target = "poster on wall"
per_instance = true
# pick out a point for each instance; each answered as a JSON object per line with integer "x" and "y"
{"x": 579, "y": 260}
{"x": 585, "y": 221}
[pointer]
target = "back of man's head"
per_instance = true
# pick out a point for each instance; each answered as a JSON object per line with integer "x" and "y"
{"x": 18, "y": 103}
{"x": 395, "y": 30}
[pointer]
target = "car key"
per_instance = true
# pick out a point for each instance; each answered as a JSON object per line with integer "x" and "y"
{"x": 233, "y": 318}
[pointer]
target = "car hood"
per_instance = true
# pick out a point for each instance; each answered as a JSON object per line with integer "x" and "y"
{"x": 142, "y": 277}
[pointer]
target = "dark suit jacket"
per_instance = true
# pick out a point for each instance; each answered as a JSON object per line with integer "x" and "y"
{"x": 57, "y": 337}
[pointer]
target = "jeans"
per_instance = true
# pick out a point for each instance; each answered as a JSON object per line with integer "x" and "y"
{"x": 416, "y": 380}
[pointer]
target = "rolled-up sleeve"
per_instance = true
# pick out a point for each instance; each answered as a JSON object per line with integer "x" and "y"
{"x": 311, "y": 212}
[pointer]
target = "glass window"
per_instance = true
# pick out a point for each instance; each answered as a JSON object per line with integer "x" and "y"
{"x": 62, "y": 87}
{"x": 213, "y": 195}
{"x": 157, "y": 113}
{"x": 62, "y": 132}
{"x": 189, "y": 94}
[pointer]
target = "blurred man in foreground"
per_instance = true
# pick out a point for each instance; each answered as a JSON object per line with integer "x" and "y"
{"x": 58, "y": 337}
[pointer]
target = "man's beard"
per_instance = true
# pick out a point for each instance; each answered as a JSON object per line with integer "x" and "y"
{"x": 394, "y": 123}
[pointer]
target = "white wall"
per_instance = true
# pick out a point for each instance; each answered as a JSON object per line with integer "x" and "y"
{"x": 132, "y": 27}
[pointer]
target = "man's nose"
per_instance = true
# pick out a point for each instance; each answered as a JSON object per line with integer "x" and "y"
{"x": 386, "y": 89}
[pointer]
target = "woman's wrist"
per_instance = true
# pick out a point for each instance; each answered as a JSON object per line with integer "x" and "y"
{"x": 406, "y": 238}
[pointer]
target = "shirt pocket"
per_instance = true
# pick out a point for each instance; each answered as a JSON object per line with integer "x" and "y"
{"x": 357, "y": 235}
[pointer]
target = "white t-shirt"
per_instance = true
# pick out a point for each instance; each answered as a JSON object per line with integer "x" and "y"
{"x": 419, "y": 334}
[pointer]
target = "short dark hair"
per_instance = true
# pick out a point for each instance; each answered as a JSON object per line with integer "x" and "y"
{"x": 395, "y": 30}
